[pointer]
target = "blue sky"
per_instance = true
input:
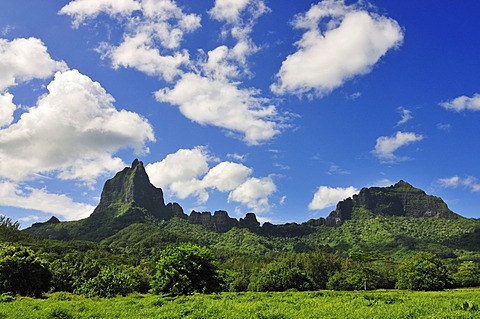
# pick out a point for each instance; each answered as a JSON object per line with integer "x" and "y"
{"x": 281, "y": 108}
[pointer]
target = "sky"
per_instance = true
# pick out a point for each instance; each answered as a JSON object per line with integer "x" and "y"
{"x": 281, "y": 108}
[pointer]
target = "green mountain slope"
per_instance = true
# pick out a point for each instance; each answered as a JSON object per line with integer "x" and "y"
{"x": 397, "y": 220}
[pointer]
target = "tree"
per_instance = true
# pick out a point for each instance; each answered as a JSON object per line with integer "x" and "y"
{"x": 186, "y": 269}
{"x": 423, "y": 271}
{"x": 22, "y": 271}
{"x": 9, "y": 230}
{"x": 112, "y": 281}
{"x": 347, "y": 279}
{"x": 468, "y": 275}
{"x": 364, "y": 261}
{"x": 319, "y": 266}
{"x": 280, "y": 276}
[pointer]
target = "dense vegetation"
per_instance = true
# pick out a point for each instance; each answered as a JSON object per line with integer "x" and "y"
{"x": 175, "y": 257}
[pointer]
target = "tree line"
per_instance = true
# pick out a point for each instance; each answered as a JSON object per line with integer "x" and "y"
{"x": 189, "y": 268}
{"x": 31, "y": 267}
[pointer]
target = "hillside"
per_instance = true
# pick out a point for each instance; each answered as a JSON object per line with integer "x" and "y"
{"x": 396, "y": 220}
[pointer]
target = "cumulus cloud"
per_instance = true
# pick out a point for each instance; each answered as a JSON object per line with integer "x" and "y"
{"x": 463, "y": 103}
{"x": 11, "y": 194}
{"x": 152, "y": 26}
{"x": 469, "y": 182}
{"x": 387, "y": 145}
{"x": 179, "y": 172}
{"x": 340, "y": 43}
{"x": 81, "y": 10}
{"x": 7, "y": 108}
{"x": 228, "y": 10}
{"x": 254, "y": 193}
{"x": 225, "y": 105}
{"x": 73, "y": 130}
{"x": 187, "y": 173}
{"x": 326, "y": 196}
{"x": 239, "y": 16}
{"x": 22, "y": 60}
{"x": 226, "y": 176}
{"x": 138, "y": 52}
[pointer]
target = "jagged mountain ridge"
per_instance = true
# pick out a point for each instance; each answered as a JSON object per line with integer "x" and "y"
{"x": 401, "y": 199}
{"x": 129, "y": 197}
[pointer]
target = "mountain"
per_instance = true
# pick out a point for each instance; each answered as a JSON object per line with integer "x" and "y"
{"x": 130, "y": 198}
{"x": 126, "y": 199}
{"x": 401, "y": 199}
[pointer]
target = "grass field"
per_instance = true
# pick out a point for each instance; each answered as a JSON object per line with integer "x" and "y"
{"x": 464, "y": 303}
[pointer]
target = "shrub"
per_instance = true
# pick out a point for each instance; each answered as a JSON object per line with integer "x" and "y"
{"x": 423, "y": 271}
{"x": 186, "y": 269}
{"x": 22, "y": 271}
{"x": 110, "y": 282}
{"x": 279, "y": 276}
{"x": 468, "y": 275}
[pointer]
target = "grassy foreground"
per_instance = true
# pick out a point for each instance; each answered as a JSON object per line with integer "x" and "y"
{"x": 463, "y": 303}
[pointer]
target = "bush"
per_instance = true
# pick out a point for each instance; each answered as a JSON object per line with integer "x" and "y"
{"x": 348, "y": 279}
{"x": 279, "y": 276}
{"x": 22, "y": 272}
{"x": 468, "y": 275}
{"x": 186, "y": 269}
{"x": 110, "y": 282}
{"x": 423, "y": 271}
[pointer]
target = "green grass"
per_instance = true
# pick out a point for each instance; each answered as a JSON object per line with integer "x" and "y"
{"x": 464, "y": 303}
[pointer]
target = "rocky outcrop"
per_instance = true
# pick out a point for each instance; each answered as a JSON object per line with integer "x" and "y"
{"x": 250, "y": 222}
{"x": 401, "y": 199}
{"x": 220, "y": 222}
{"x": 52, "y": 221}
{"x": 130, "y": 194}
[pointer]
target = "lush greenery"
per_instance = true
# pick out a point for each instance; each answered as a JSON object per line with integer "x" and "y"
{"x": 186, "y": 269}
{"x": 174, "y": 257}
{"x": 252, "y": 305}
{"x": 22, "y": 271}
{"x": 424, "y": 271}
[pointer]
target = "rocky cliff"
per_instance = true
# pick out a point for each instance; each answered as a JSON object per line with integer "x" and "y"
{"x": 401, "y": 199}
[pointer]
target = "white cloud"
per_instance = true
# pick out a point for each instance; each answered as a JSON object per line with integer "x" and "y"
{"x": 463, "y": 103}
{"x": 80, "y": 10}
{"x": 353, "y": 42}
{"x": 225, "y": 105}
{"x": 254, "y": 193}
{"x": 226, "y": 176}
{"x": 13, "y": 195}
{"x": 238, "y": 157}
{"x": 326, "y": 196}
{"x": 7, "y": 108}
{"x": 180, "y": 173}
{"x": 138, "y": 52}
{"x": 228, "y": 10}
{"x": 469, "y": 182}
{"x": 186, "y": 173}
{"x": 239, "y": 16}
{"x": 406, "y": 116}
{"x": 22, "y": 60}
{"x": 386, "y": 146}
{"x": 73, "y": 130}
{"x": 151, "y": 26}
